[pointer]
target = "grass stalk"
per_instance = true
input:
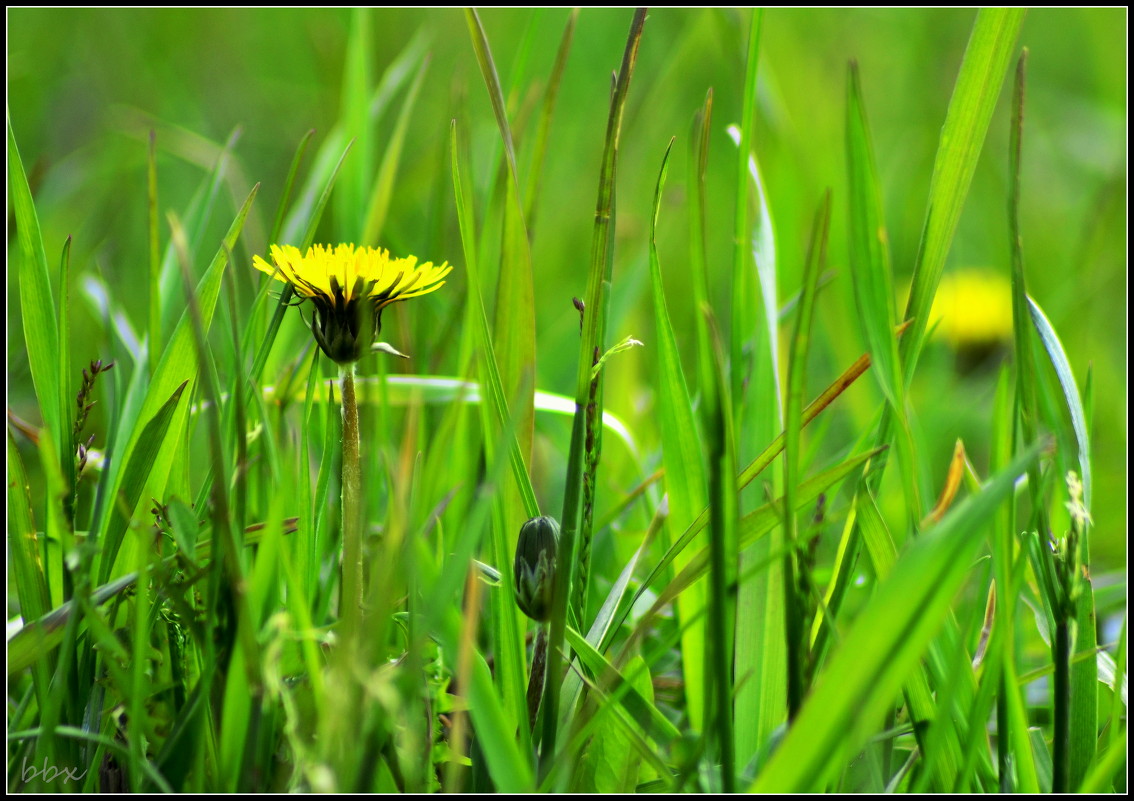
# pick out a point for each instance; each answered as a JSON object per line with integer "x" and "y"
{"x": 602, "y": 257}
{"x": 1061, "y": 743}
{"x": 722, "y": 558}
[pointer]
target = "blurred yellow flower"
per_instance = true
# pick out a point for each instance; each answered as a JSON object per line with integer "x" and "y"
{"x": 349, "y": 287}
{"x": 972, "y": 307}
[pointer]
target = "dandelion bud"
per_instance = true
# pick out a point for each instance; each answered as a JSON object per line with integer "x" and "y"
{"x": 534, "y": 570}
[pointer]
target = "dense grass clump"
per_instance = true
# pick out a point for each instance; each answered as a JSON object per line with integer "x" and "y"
{"x": 547, "y": 401}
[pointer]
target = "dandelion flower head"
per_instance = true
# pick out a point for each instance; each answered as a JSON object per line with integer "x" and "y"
{"x": 349, "y": 287}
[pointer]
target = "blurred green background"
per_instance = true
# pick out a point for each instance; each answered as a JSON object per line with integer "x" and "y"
{"x": 85, "y": 87}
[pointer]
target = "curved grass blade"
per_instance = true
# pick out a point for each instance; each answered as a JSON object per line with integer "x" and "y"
{"x": 983, "y": 69}
{"x": 37, "y": 302}
{"x": 143, "y": 457}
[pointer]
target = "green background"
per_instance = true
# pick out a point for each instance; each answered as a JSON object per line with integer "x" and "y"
{"x": 86, "y": 86}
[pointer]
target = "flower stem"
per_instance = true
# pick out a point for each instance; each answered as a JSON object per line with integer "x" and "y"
{"x": 350, "y": 604}
{"x": 537, "y": 676}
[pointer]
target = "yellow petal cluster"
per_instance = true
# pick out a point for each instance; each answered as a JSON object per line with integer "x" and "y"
{"x": 348, "y": 288}
{"x": 972, "y": 306}
{"x": 384, "y": 278}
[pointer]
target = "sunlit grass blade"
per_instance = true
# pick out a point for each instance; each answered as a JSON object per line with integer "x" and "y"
{"x": 884, "y": 644}
{"x": 685, "y": 479}
{"x": 760, "y": 665}
{"x": 1084, "y": 673}
{"x": 985, "y": 64}
{"x": 745, "y": 313}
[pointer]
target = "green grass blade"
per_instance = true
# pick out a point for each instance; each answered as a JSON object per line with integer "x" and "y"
{"x": 653, "y": 723}
{"x": 1084, "y": 672}
{"x": 760, "y": 664}
{"x": 155, "y": 304}
{"x": 871, "y": 273}
{"x": 354, "y": 117}
{"x": 594, "y": 325}
{"x": 37, "y": 303}
{"x": 724, "y": 556}
{"x": 143, "y": 456}
{"x": 288, "y": 186}
{"x": 543, "y": 131}
{"x": 506, "y": 618}
{"x": 685, "y": 479}
{"x": 744, "y": 311}
{"x": 23, "y": 541}
{"x": 196, "y": 223}
{"x": 1109, "y": 766}
{"x": 31, "y": 583}
{"x": 1074, "y": 405}
{"x": 33, "y": 640}
{"x": 496, "y": 732}
{"x": 753, "y": 527}
{"x": 796, "y": 600}
{"x": 514, "y": 325}
{"x": 970, "y": 110}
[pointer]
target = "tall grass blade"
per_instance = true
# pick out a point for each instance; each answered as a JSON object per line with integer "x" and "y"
{"x": 37, "y": 302}
{"x": 357, "y": 126}
{"x": 543, "y": 131}
{"x": 685, "y": 477}
{"x": 724, "y": 553}
{"x": 760, "y": 666}
{"x": 594, "y": 326}
{"x": 970, "y": 110}
{"x": 796, "y": 580}
{"x": 506, "y": 622}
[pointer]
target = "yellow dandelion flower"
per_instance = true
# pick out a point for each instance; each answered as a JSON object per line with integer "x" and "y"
{"x": 349, "y": 287}
{"x": 972, "y": 308}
